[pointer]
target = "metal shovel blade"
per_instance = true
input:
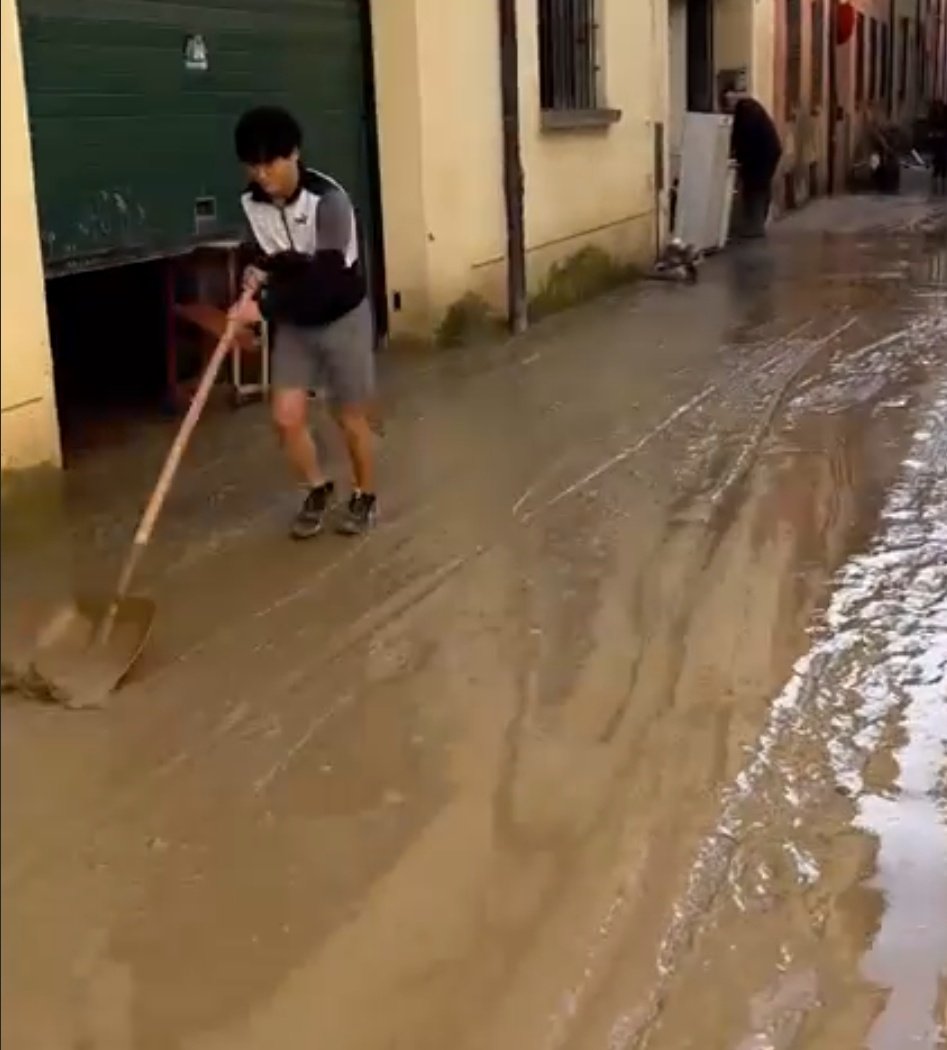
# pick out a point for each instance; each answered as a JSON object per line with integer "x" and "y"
{"x": 86, "y": 650}
{"x": 77, "y": 666}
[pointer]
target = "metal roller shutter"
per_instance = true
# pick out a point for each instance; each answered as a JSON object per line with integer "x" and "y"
{"x": 132, "y": 104}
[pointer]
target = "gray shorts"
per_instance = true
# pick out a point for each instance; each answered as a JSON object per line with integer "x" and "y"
{"x": 339, "y": 357}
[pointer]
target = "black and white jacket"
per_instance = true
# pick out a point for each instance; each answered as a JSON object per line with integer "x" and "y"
{"x": 309, "y": 249}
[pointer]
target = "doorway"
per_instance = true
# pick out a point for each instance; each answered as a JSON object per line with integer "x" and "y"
{"x": 691, "y": 69}
{"x": 700, "y": 56}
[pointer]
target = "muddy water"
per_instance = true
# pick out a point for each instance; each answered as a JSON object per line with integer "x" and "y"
{"x": 624, "y": 731}
{"x": 811, "y": 914}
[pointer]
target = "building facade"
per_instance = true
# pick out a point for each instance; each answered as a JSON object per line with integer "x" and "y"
{"x": 844, "y": 65}
{"x": 404, "y": 105}
{"x": 712, "y": 42}
{"x": 592, "y": 104}
{"x": 802, "y": 103}
{"x": 592, "y": 96}
{"x": 29, "y": 432}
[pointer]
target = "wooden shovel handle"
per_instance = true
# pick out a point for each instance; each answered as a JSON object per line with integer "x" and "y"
{"x": 173, "y": 460}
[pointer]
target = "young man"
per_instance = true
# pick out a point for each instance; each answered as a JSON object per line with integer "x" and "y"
{"x": 306, "y": 279}
{"x": 755, "y": 146}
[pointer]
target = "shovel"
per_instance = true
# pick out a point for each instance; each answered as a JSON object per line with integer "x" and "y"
{"x": 86, "y": 649}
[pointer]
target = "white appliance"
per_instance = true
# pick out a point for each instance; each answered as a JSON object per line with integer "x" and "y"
{"x": 705, "y": 189}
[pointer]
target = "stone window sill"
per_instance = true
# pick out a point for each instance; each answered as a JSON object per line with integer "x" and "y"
{"x": 578, "y": 119}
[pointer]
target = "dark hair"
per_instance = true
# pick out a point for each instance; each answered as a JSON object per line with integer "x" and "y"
{"x": 266, "y": 133}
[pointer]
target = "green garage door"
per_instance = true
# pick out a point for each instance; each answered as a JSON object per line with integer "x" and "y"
{"x": 132, "y": 104}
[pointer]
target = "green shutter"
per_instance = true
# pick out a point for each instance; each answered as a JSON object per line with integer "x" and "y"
{"x": 132, "y": 105}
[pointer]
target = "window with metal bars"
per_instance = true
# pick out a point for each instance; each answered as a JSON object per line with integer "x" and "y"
{"x": 568, "y": 55}
{"x": 793, "y": 57}
{"x": 818, "y": 54}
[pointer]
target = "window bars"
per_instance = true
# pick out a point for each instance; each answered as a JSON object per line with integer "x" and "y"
{"x": 568, "y": 55}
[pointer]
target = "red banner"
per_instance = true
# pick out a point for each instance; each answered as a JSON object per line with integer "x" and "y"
{"x": 845, "y": 23}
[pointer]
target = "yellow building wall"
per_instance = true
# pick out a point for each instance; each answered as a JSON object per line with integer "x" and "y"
{"x": 763, "y": 67}
{"x": 597, "y": 187}
{"x": 398, "y": 108}
{"x": 463, "y": 148}
{"x": 744, "y": 39}
{"x": 29, "y": 429}
{"x": 438, "y": 114}
{"x": 440, "y": 137}
{"x": 733, "y": 35}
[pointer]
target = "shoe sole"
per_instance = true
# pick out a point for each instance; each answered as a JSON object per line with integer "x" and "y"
{"x": 301, "y": 533}
{"x": 343, "y": 529}
{"x": 306, "y": 534}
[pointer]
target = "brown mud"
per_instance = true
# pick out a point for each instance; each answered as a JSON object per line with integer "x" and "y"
{"x": 624, "y": 730}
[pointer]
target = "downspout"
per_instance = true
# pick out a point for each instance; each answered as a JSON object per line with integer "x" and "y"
{"x": 374, "y": 238}
{"x": 940, "y": 52}
{"x": 918, "y": 83}
{"x": 660, "y": 107}
{"x": 892, "y": 51}
{"x": 512, "y": 169}
{"x": 833, "y": 93}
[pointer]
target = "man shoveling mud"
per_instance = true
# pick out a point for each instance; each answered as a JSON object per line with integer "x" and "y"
{"x": 755, "y": 146}
{"x": 306, "y": 279}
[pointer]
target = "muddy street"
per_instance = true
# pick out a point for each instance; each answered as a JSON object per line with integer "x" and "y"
{"x": 626, "y": 729}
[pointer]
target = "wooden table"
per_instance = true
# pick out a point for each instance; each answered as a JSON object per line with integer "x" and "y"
{"x": 199, "y": 284}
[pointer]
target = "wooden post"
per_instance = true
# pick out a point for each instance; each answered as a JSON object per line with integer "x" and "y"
{"x": 512, "y": 168}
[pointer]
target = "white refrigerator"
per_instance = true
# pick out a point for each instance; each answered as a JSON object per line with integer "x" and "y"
{"x": 707, "y": 181}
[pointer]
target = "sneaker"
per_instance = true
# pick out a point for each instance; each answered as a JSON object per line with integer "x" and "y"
{"x": 311, "y": 517}
{"x": 359, "y": 516}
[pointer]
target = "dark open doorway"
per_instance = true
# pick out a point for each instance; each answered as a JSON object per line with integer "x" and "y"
{"x": 107, "y": 332}
{"x": 700, "y": 56}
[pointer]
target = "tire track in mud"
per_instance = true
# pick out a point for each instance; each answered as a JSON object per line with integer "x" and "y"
{"x": 121, "y": 809}
{"x": 749, "y": 805}
{"x": 775, "y": 350}
{"x": 900, "y": 352}
{"x": 712, "y": 511}
{"x": 749, "y": 450}
{"x": 419, "y": 583}
{"x": 333, "y": 648}
{"x": 680, "y": 581}
{"x": 405, "y": 588}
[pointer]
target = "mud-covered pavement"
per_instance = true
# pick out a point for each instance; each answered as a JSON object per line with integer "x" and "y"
{"x": 626, "y": 729}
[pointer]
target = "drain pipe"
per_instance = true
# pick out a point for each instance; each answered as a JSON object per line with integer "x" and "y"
{"x": 512, "y": 169}
{"x": 833, "y": 95}
{"x": 918, "y": 85}
{"x": 892, "y": 52}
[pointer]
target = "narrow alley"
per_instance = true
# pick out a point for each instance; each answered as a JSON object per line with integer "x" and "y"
{"x": 625, "y": 729}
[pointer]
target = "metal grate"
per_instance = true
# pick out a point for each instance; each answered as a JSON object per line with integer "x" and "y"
{"x": 568, "y": 55}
